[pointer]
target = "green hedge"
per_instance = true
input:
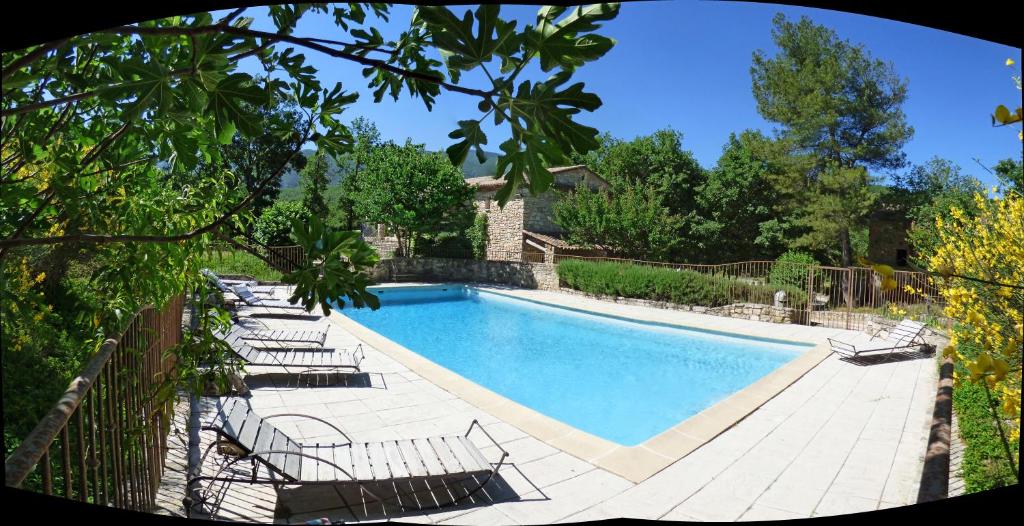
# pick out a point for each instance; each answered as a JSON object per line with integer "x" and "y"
{"x": 683, "y": 287}
{"x": 985, "y": 465}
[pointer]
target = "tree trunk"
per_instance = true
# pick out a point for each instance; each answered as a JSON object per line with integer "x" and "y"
{"x": 844, "y": 242}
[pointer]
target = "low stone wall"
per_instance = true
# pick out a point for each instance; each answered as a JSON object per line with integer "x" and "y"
{"x": 516, "y": 274}
{"x": 747, "y": 311}
{"x": 755, "y": 312}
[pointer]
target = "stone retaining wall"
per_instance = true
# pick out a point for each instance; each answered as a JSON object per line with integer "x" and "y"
{"x": 513, "y": 273}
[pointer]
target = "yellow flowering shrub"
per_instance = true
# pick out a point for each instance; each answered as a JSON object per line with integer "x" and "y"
{"x": 987, "y": 316}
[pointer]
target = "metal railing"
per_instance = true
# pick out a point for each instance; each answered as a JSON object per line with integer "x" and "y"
{"x": 841, "y": 297}
{"x": 286, "y": 258}
{"x": 105, "y": 440}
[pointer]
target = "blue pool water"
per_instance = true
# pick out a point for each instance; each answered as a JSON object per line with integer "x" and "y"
{"x": 621, "y": 380}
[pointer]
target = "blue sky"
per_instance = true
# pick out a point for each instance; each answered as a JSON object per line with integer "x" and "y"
{"x": 685, "y": 64}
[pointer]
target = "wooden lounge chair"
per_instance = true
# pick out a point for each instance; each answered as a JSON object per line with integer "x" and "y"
{"x": 906, "y": 335}
{"x": 247, "y": 437}
{"x": 292, "y": 338}
{"x": 303, "y": 358}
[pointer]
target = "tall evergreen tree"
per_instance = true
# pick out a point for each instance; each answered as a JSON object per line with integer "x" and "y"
{"x": 840, "y": 113}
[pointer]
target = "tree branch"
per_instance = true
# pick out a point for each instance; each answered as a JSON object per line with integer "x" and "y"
{"x": 31, "y": 57}
{"x": 300, "y": 41}
{"x": 115, "y": 238}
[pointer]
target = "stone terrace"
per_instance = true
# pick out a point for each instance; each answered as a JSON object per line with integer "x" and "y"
{"x": 843, "y": 438}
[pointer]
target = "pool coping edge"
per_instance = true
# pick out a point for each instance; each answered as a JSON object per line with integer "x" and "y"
{"x": 634, "y": 463}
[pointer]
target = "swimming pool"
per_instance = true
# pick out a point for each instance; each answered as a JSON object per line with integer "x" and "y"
{"x": 621, "y": 380}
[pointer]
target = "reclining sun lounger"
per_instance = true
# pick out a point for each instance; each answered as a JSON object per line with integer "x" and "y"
{"x": 224, "y": 285}
{"x": 250, "y": 438}
{"x": 251, "y": 300}
{"x": 906, "y": 335}
{"x": 315, "y": 338}
{"x": 306, "y": 359}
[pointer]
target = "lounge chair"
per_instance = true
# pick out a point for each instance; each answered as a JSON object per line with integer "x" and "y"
{"x": 224, "y": 285}
{"x": 315, "y": 338}
{"x": 906, "y": 335}
{"x": 304, "y": 358}
{"x": 250, "y": 438}
{"x": 250, "y": 299}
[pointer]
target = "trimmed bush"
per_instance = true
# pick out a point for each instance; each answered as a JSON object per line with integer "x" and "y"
{"x": 791, "y": 269}
{"x": 683, "y": 287}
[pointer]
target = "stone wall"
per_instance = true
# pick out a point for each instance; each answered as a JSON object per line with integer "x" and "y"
{"x": 524, "y": 275}
{"x": 504, "y": 225}
{"x": 887, "y": 234}
{"x": 539, "y": 213}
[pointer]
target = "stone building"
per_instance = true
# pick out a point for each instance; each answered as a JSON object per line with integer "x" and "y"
{"x": 887, "y": 237}
{"x": 525, "y": 228}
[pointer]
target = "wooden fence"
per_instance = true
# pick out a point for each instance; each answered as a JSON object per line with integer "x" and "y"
{"x": 106, "y": 439}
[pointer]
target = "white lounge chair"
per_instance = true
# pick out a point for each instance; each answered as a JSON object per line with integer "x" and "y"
{"x": 906, "y": 335}
{"x": 251, "y": 439}
{"x": 266, "y": 335}
{"x": 304, "y": 359}
{"x": 250, "y": 299}
{"x": 224, "y": 285}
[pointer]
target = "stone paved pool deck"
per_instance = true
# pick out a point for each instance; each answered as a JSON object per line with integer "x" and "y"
{"x": 819, "y": 436}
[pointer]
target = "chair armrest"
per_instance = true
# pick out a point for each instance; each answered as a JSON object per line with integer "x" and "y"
{"x": 841, "y": 347}
{"x": 488, "y": 435}
{"x": 322, "y": 421}
{"x": 362, "y": 354}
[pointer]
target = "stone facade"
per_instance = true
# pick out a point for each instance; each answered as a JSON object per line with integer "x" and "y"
{"x": 505, "y": 225}
{"x": 512, "y": 273}
{"x": 887, "y": 238}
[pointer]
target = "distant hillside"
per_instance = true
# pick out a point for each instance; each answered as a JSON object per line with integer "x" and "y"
{"x": 470, "y": 168}
{"x": 290, "y": 179}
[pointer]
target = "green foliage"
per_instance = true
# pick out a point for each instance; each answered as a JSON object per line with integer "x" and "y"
{"x": 414, "y": 192}
{"x": 839, "y": 203}
{"x": 790, "y": 269}
{"x": 366, "y": 140}
{"x": 477, "y": 235}
{"x": 840, "y": 111}
{"x": 237, "y": 262}
{"x": 540, "y": 112}
{"x": 314, "y": 186}
{"x": 1011, "y": 175}
{"x": 251, "y": 158}
{"x": 929, "y": 191}
{"x": 631, "y": 220}
{"x": 657, "y": 160}
{"x": 274, "y": 226}
{"x": 683, "y": 287}
{"x": 339, "y": 270}
{"x": 985, "y": 465}
{"x": 737, "y": 204}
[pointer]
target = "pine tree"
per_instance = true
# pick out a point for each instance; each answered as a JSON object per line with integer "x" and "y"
{"x": 839, "y": 111}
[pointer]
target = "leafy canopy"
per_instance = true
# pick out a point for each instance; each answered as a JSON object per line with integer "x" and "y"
{"x": 103, "y": 133}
